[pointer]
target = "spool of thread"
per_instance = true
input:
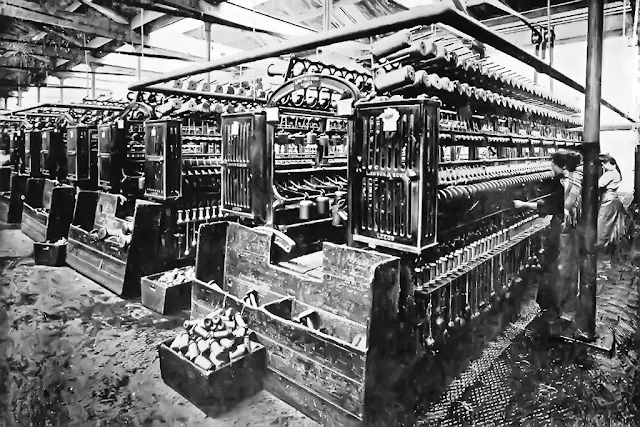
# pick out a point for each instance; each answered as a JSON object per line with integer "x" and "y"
{"x": 394, "y": 79}
{"x": 415, "y": 50}
{"x": 323, "y": 140}
{"x": 312, "y": 138}
{"x": 390, "y": 44}
{"x": 323, "y": 205}
{"x": 305, "y": 209}
{"x": 336, "y": 219}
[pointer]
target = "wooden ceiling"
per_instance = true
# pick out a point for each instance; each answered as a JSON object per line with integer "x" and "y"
{"x": 50, "y": 37}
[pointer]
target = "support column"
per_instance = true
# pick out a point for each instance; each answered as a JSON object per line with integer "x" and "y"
{"x": 19, "y": 97}
{"x": 93, "y": 81}
{"x": 586, "y": 313}
{"x": 38, "y": 94}
{"x": 207, "y": 39}
{"x": 61, "y": 89}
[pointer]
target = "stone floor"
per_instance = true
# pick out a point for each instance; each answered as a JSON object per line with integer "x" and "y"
{"x": 75, "y": 354}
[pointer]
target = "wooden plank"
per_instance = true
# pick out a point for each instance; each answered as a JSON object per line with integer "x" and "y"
{"x": 331, "y": 324}
{"x": 331, "y": 385}
{"x": 344, "y": 290}
{"x": 308, "y": 402}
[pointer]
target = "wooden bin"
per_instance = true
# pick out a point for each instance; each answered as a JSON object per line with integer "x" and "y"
{"x": 213, "y": 392}
{"x": 164, "y": 298}
{"x": 50, "y": 254}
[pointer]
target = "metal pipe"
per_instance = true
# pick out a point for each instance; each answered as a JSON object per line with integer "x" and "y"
{"x": 61, "y": 89}
{"x": 208, "y": 95}
{"x": 93, "y": 84}
{"x": 421, "y": 15}
{"x": 551, "y": 43}
{"x": 585, "y": 320}
{"x": 66, "y": 106}
{"x": 207, "y": 38}
{"x": 417, "y": 16}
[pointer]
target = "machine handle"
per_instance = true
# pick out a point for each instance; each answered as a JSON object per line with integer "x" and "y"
{"x": 283, "y": 241}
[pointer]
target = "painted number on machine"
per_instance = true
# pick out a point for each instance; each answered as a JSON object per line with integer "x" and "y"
{"x": 386, "y": 237}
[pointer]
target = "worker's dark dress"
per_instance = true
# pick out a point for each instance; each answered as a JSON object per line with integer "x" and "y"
{"x": 557, "y": 292}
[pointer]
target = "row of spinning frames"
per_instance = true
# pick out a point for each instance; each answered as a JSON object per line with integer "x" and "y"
{"x": 446, "y": 56}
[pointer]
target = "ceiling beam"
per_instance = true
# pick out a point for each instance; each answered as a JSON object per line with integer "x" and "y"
{"x": 227, "y": 11}
{"x": 36, "y": 50}
{"x": 142, "y": 19}
{"x": 32, "y": 12}
{"x": 109, "y": 13}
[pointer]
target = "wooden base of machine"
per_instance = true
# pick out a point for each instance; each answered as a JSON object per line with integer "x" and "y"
{"x": 11, "y": 201}
{"x": 34, "y": 223}
{"x": 119, "y": 269}
{"x": 47, "y": 210}
{"x": 213, "y": 392}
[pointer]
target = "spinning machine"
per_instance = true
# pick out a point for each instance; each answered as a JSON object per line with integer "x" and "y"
{"x": 10, "y": 209}
{"x": 159, "y": 164}
{"x": 113, "y": 234}
{"x": 48, "y": 204}
{"x": 361, "y": 334}
{"x": 286, "y": 167}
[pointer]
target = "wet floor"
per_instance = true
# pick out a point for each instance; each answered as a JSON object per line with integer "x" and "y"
{"x": 77, "y": 355}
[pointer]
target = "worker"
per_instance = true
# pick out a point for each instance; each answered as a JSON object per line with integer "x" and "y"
{"x": 557, "y": 291}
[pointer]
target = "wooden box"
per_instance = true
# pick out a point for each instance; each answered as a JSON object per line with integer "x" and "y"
{"x": 164, "y": 298}
{"x": 214, "y": 392}
{"x": 50, "y": 254}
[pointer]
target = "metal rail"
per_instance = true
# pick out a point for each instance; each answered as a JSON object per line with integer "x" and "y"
{"x": 207, "y": 95}
{"x": 422, "y": 15}
{"x": 53, "y": 105}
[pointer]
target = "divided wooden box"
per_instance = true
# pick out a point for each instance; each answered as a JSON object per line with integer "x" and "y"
{"x": 213, "y": 392}
{"x": 165, "y": 298}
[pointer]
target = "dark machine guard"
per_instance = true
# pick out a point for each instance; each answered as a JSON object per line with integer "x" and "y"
{"x": 118, "y": 269}
{"x": 47, "y": 210}
{"x": 11, "y": 201}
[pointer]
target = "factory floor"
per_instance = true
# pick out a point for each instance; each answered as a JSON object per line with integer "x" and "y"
{"x": 72, "y": 353}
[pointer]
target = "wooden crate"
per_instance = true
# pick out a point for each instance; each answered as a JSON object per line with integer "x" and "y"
{"x": 50, "y": 254}
{"x": 213, "y": 392}
{"x": 162, "y": 297}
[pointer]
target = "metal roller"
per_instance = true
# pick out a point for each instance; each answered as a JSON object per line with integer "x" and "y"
{"x": 394, "y": 79}
{"x": 390, "y": 44}
{"x": 415, "y": 50}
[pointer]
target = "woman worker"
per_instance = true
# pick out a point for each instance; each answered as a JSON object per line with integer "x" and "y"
{"x": 611, "y": 217}
{"x": 557, "y": 292}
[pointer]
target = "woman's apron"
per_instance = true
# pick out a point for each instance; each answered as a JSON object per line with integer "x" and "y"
{"x": 611, "y": 221}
